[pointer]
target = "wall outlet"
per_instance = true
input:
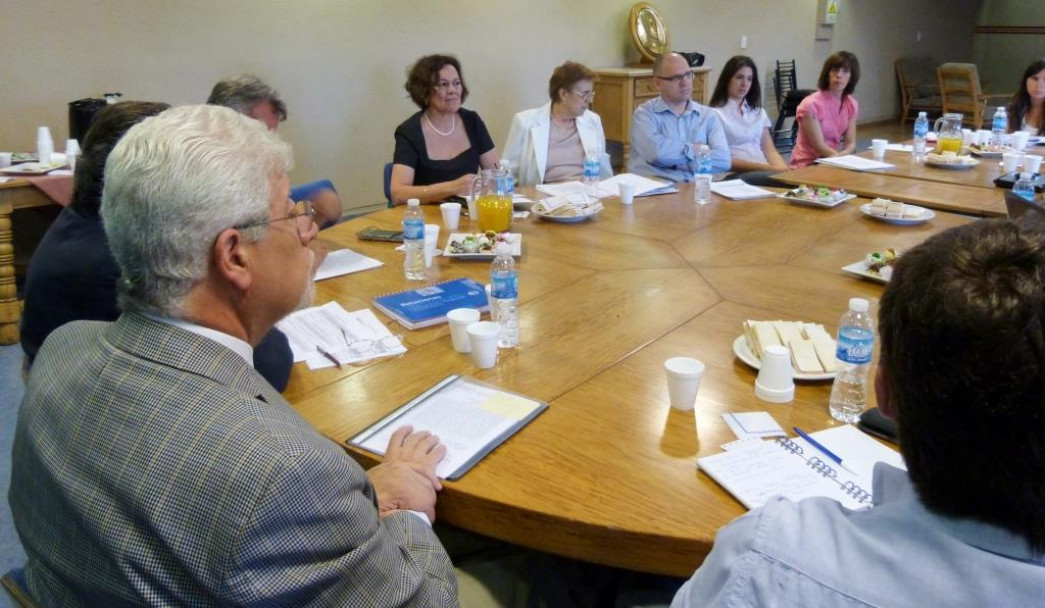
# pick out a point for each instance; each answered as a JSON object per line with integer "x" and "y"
{"x": 743, "y": 40}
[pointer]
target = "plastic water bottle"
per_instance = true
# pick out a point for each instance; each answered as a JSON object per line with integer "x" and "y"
{"x": 507, "y": 180}
{"x": 504, "y": 292}
{"x": 702, "y": 178}
{"x": 999, "y": 126}
{"x": 921, "y": 131}
{"x": 591, "y": 174}
{"x": 855, "y": 347}
{"x": 1024, "y": 187}
{"x": 414, "y": 241}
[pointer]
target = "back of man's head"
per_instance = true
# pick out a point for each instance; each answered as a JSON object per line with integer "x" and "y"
{"x": 962, "y": 327}
{"x": 243, "y": 92}
{"x": 172, "y": 184}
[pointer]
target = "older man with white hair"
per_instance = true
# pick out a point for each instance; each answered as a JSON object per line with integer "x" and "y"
{"x": 152, "y": 465}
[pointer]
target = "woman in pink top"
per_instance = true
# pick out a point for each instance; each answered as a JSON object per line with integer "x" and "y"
{"x": 827, "y": 118}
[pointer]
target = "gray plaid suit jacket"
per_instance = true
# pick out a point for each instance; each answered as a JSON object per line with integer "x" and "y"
{"x": 152, "y": 466}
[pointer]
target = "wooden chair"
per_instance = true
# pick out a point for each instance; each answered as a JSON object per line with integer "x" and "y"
{"x": 960, "y": 92}
{"x": 919, "y": 90}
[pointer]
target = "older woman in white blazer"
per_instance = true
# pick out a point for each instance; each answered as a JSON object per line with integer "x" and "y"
{"x": 548, "y": 144}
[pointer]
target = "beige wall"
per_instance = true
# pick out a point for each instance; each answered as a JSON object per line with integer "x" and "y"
{"x": 1002, "y": 58}
{"x": 340, "y": 64}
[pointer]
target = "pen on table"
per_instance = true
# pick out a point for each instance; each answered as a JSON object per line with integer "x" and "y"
{"x": 816, "y": 444}
{"x": 329, "y": 356}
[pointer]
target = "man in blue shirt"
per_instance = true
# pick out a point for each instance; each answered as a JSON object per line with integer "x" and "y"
{"x": 962, "y": 371}
{"x": 666, "y": 131}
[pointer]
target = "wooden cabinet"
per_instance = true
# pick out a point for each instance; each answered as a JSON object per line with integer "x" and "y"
{"x": 618, "y": 91}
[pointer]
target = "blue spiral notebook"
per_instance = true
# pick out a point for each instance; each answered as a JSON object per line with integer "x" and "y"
{"x": 428, "y": 305}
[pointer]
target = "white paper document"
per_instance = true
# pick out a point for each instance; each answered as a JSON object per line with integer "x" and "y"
{"x": 644, "y": 186}
{"x": 737, "y": 190}
{"x": 855, "y": 163}
{"x": 322, "y": 334}
{"x": 753, "y": 424}
{"x": 469, "y": 417}
{"x": 562, "y": 189}
{"x": 344, "y": 261}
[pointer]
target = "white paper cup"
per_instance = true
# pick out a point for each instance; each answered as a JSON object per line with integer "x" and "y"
{"x": 431, "y": 242}
{"x": 627, "y": 193}
{"x": 775, "y": 382}
{"x": 1032, "y": 163}
{"x": 1019, "y": 139}
{"x": 473, "y": 211}
{"x": 878, "y": 147}
{"x": 5, "y": 159}
{"x": 43, "y": 133}
{"x": 1011, "y": 160}
{"x": 482, "y": 337}
{"x": 684, "y": 374}
{"x": 451, "y": 215}
{"x": 460, "y": 319}
{"x": 72, "y": 147}
{"x": 983, "y": 137}
{"x": 969, "y": 137}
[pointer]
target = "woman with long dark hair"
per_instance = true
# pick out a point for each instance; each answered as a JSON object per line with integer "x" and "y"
{"x": 738, "y": 102}
{"x": 1027, "y": 108}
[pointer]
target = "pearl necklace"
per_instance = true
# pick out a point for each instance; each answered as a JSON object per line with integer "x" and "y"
{"x": 452, "y": 126}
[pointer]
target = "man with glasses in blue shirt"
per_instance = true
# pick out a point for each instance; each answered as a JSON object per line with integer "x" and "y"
{"x": 666, "y": 131}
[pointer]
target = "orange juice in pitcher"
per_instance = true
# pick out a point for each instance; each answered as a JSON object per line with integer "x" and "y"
{"x": 948, "y": 133}
{"x": 492, "y": 203}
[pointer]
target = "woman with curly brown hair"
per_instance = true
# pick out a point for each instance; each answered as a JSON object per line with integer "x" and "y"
{"x": 440, "y": 148}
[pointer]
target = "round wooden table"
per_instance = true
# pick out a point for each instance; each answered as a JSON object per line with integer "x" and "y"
{"x": 607, "y": 474}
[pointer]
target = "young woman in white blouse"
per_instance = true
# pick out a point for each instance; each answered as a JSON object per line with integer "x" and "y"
{"x": 738, "y": 101}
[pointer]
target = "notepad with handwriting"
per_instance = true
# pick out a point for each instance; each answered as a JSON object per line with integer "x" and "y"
{"x": 794, "y": 469}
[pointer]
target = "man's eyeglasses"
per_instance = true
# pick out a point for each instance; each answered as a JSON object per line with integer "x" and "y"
{"x": 586, "y": 95}
{"x": 302, "y": 215}
{"x": 677, "y": 77}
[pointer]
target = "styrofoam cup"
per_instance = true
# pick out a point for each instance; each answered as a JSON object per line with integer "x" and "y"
{"x": 1011, "y": 160}
{"x": 451, "y": 215}
{"x": 878, "y": 147}
{"x": 968, "y": 137}
{"x": 1032, "y": 163}
{"x": 627, "y": 193}
{"x": 684, "y": 374}
{"x": 460, "y": 319}
{"x": 431, "y": 242}
{"x": 775, "y": 382}
{"x": 473, "y": 211}
{"x": 1019, "y": 139}
{"x": 482, "y": 337}
{"x": 5, "y": 159}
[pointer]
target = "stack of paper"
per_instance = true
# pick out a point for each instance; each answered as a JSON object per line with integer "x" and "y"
{"x": 644, "y": 186}
{"x": 737, "y": 190}
{"x": 344, "y": 261}
{"x": 329, "y": 335}
{"x": 855, "y": 163}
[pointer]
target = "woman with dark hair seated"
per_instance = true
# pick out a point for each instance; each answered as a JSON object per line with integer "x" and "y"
{"x": 73, "y": 274}
{"x": 548, "y": 144}
{"x": 738, "y": 102}
{"x": 827, "y": 118}
{"x": 1027, "y": 108}
{"x": 439, "y": 149}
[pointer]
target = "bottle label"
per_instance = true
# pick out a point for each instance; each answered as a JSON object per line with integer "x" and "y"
{"x": 504, "y": 286}
{"x": 855, "y": 345}
{"x": 921, "y": 129}
{"x": 413, "y": 229}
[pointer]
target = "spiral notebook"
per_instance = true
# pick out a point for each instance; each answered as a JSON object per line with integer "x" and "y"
{"x": 428, "y": 305}
{"x": 794, "y": 469}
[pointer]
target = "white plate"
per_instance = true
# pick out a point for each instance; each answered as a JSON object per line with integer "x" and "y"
{"x": 859, "y": 269}
{"x": 952, "y": 166}
{"x": 744, "y": 353}
{"x": 514, "y": 238}
{"x": 989, "y": 153}
{"x": 31, "y": 168}
{"x": 927, "y": 214}
{"x": 537, "y": 208}
{"x": 802, "y": 201}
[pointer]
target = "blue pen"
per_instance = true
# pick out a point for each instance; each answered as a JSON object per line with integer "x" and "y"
{"x": 827, "y": 452}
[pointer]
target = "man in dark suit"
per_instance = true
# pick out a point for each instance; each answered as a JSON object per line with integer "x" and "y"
{"x": 152, "y": 464}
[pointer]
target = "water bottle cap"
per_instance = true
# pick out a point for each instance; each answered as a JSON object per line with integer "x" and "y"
{"x": 858, "y": 304}
{"x": 922, "y": 115}
{"x": 414, "y": 202}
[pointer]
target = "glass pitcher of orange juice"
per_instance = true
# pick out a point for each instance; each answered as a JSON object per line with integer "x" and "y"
{"x": 492, "y": 201}
{"x": 948, "y": 133}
